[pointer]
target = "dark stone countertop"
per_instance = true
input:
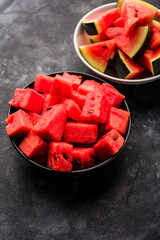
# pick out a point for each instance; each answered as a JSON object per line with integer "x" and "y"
{"x": 120, "y": 201}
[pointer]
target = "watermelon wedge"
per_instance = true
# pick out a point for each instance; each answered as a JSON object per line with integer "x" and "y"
{"x": 125, "y": 67}
{"x": 137, "y": 13}
{"x": 96, "y": 23}
{"x": 98, "y": 54}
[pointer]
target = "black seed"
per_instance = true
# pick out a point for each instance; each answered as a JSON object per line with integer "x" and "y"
{"x": 115, "y": 138}
{"x": 65, "y": 156}
{"x": 104, "y": 47}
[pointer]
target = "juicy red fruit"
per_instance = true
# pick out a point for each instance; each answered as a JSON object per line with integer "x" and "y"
{"x": 60, "y": 156}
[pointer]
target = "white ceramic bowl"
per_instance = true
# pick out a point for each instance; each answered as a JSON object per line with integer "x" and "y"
{"x": 81, "y": 38}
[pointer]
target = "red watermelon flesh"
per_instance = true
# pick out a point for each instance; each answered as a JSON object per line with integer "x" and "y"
{"x": 24, "y": 98}
{"x": 18, "y": 124}
{"x": 73, "y": 109}
{"x": 49, "y": 101}
{"x": 51, "y": 124}
{"x": 83, "y": 158}
{"x": 33, "y": 146}
{"x": 80, "y": 132}
{"x": 108, "y": 145}
{"x": 118, "y": 22}
{"x": 75, "y": 80}
{"x": 95, "y": 109}
{"x": 155, "y": 35}
{"x": 137, "y": 13}
{"x": 118, "y": 119}
{"x": 34, "y": 117}
{"x": 88, "y": 86}
{"x": 43, "y": 83}
{"x": 60, "y": 156}
{"x": 77, "y": 97}
{"x": 61, "y": 87}
{"x": 154, "y": 41}
{"x": 114, "y": 97}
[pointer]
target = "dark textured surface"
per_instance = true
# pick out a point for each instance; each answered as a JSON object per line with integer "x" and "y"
{"x": 119, "y": 202}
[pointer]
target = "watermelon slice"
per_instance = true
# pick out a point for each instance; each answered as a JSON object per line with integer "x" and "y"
{"x": 24, "y": 98}
{"x": 60, "y": 156}
{"x": 151, "y": 60}
{"x": 76, "y": 132}
{"x": 125, "y": 67}
{"x": 88, "y": 86}
{"x": 51, "y": 124}
{"x": 95, "y": 109}
{"x": 118, "y": 119}
{"x": 96, "y": 23}
{"x": 137, "y": 13}
{"x": 43, "y": 83}
{"x": 18, "y": 124}
{"x": 98, "y": 54}
{"x": 132, "y": 45}
{"x": 33, "y": 146}
{"x": 83, "y": 158}
{"x": 108, "y": 145}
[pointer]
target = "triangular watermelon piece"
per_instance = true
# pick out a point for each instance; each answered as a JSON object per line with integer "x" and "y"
{"x": 98, "y": 54}
{"x": 137, "y": 13}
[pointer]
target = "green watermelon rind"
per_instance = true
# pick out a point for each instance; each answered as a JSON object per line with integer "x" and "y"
{"x": 91, "y": 61}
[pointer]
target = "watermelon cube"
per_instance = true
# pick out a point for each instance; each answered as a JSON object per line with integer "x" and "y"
{"x": 118, "y": 119}
{"x": 33, "y": 147}
{"x": 24, "y": 98}
{"x": 108, "y": 145}
{"x": 19, "y": 124}
{"x": 49, "y": 101}
{"x": 43, "y": 83}
{"x": 83, "y": 158}
{"x": 95, "y": 109}
{"x": 88, "y": 86}
{"x": 60, "y": 156}
{"x": 61, "y": 87}
{"x": 73, "y": 109}
{"x": 80, "y": 132}
{"x": 114, "y": 97}
{"x": 77, "y": 97}
{"x": 51, "y": 124}
{"x": 75, "y": 80}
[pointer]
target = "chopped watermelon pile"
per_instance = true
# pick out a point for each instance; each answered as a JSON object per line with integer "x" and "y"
{"x": 125, "y": 39}
{"x": 68, "y": 123}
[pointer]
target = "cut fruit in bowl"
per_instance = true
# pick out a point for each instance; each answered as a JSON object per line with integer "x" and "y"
{"x": 68, "y": 122}
{"x": 125, "y": 28}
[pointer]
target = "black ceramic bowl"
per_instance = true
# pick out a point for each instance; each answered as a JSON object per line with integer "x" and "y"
{"x": 124, "y": 105}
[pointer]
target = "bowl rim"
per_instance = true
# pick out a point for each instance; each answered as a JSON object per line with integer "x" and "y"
{"x": 106, "y": 76}
{"x": 90, "y": 76}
